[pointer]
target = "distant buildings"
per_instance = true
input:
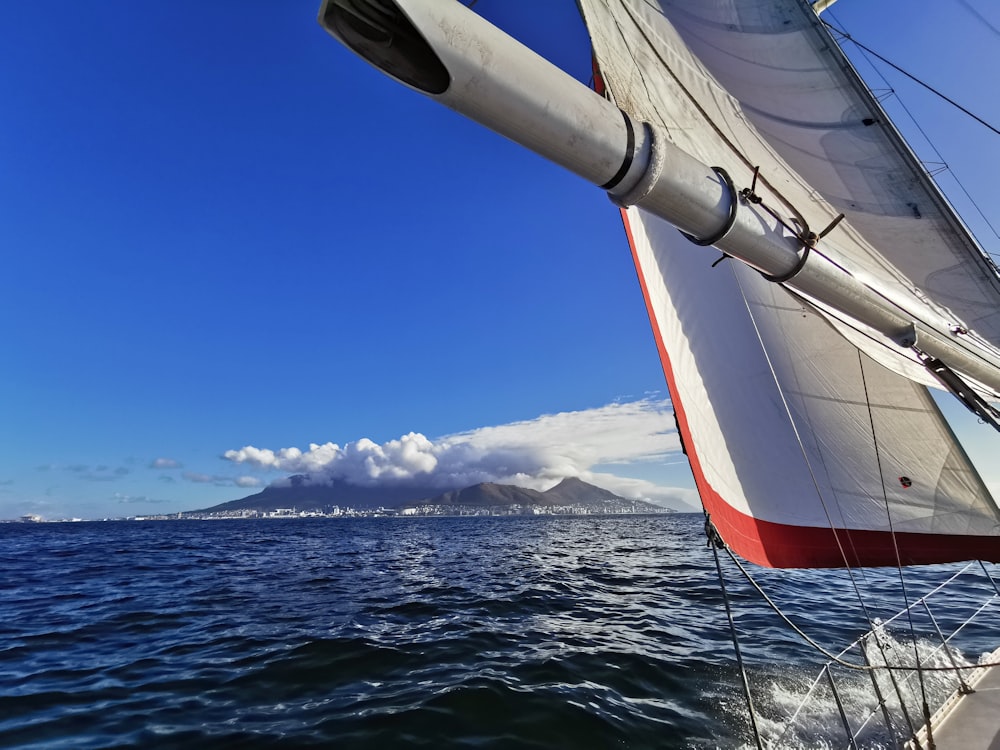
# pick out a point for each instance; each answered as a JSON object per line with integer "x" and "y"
{"x": 515, "y": 509}
{"x": 618, "y": 508}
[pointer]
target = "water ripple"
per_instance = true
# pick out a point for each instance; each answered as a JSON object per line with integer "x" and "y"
{"x": 485, "y": 633}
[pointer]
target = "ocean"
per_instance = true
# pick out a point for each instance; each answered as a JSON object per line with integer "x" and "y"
{"x": 478, "y": 632}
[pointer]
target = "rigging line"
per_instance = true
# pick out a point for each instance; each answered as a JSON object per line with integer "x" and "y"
{"x": 831, "y": 656}
{"x": 912, "y": 77}
{"x": 979, "y": 16}
{"x": 989, "y": 577}
{"x": 802, "y": 231}
{"x": 891, "y": 92}
{"x": 892, "y": 535}
{"x": 880, "y": 644}
{"x": 715, "y": 544}
{"x": 655, "y": 49}
{"x": 802, "y": 449}
{"x": 916, "y": 124}
{"x": 850, "y": 571}
{"x": 975, "y": 205}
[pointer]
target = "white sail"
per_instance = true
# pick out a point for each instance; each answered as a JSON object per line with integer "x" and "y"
{"x": 790, "y": 108}
{"x": 795, "y": 378}
{"x": 805, "y": 450}
{"x": 809, "y": 104}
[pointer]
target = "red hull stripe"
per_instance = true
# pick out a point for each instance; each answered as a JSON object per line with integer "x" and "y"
{"x": 779, "y": 545}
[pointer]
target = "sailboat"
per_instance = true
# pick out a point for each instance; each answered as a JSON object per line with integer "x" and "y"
{"x": 805, "y": 279}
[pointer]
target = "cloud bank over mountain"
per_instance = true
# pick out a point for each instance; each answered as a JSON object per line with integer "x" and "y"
{"x": 534, "y": 453}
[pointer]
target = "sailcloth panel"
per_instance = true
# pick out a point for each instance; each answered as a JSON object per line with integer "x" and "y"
{"x": 745, "y": 83}
{"x": 774, "y": 57}
{"x": 806, "y": 452}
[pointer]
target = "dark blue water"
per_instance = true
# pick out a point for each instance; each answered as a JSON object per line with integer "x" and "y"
{"x": 431, "y": 632}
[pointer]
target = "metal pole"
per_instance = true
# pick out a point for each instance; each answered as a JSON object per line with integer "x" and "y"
{"x": 840, "y": 707}
{"x": 736, "y": 646}
{"x": 878, "y": 690}
{"x": 964, "y": 688}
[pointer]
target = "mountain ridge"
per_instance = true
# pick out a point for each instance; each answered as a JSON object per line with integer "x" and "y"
{"x": 301, "y": 493}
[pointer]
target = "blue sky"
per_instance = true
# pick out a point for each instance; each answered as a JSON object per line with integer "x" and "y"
{"x": 221, "y": 230}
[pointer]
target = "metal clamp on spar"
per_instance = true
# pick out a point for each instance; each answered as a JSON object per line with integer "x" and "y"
{"x": 452, "y": 55}
{"x": 447, "y": 52}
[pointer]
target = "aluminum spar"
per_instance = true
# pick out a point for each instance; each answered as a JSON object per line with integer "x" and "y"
{"x": 449, "y": 53}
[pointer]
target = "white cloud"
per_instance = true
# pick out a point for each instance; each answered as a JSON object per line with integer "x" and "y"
{"x": 165, "y": 463}
{"x": 672, "y": 497}
{"x": 533, "y": 453}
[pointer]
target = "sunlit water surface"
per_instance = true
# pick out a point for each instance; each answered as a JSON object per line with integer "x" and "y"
{"x": 522, "y": 632}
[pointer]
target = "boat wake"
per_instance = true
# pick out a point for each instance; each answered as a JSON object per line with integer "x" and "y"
{"x": 878, "y": 708}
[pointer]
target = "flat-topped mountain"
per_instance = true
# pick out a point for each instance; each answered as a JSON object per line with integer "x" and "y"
{"x": 304, "y": 494}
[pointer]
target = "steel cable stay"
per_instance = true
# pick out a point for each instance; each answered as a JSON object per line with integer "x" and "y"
{"x": 949, "y": 100}
{"x": 925, "y": 706}
{"x": 891, "y": 669}
{"x": 836, "y": 658}
{"x": 859, "y": 643}
{"x": 716, "y": 541}
{"x": 840, "y": 35}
